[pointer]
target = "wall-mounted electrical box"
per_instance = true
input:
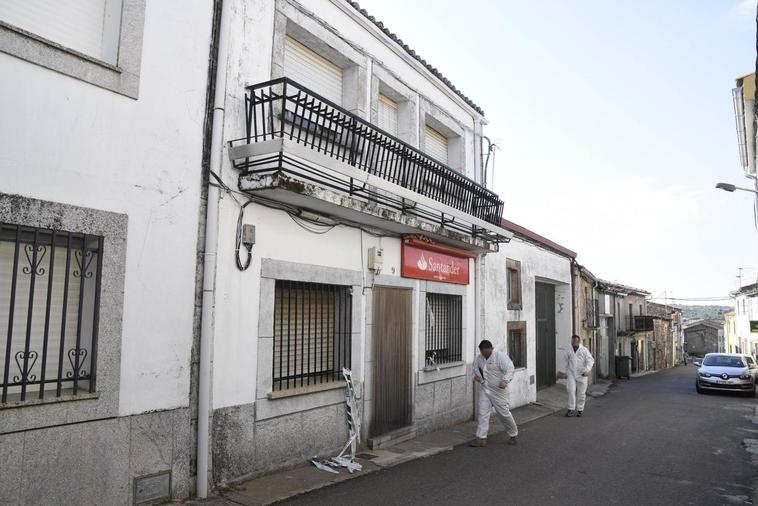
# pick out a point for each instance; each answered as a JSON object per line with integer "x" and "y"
{"x": 248, "y": 235}
{"x": 375, "y": 259}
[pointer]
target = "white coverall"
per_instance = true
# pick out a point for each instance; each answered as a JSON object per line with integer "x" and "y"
{"x": 578, "y": 363}
{"x": 493, "y": 370}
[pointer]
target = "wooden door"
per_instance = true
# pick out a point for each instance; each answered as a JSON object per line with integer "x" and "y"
{"x": 391, "y": 335}
{"x": 545, "y": 305}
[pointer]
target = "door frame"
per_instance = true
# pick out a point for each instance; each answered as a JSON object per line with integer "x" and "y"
{"x": 371, "y": 351}
{"x": 551, "y": 345}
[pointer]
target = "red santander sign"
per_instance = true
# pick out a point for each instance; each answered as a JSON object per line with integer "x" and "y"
{"x": 420, "y": 263}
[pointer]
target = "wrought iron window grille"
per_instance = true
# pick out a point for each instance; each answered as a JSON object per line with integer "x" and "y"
{"x": 49, "y": 304}
{"x": 444, "y": 329}
{"x": 312, "y": 333}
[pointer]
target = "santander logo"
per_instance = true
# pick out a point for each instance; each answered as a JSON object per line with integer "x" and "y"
{"x": 422, "y": 263}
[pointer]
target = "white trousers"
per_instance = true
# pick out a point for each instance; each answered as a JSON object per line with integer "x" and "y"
{"x": 577, "y": 390}
{"x": 497, "y": 400}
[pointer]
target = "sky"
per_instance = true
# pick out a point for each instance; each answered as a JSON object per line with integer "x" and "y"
{"x": 614, "y": 121}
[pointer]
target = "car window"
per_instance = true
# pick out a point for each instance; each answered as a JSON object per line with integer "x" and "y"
{"x": 724, "y": 361}
{"x": 750, "y": 360}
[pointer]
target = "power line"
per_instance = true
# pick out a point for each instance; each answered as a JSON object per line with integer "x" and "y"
{"x": 695, "y": 299}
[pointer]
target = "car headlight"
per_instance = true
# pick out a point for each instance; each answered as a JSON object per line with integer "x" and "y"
{"x": 705, "y": 374}
{"x": 745, "y": 376}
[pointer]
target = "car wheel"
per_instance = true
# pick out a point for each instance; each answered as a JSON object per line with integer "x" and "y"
{"x": 697, "y": 387}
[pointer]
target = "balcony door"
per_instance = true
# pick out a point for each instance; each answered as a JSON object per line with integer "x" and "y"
{"x": 435, "y": 145}
{"x": 305, "y": 66}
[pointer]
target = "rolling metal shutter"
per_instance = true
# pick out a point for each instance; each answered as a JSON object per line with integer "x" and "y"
{"x": 312, "y": 70}
{"x": 90, "y": 27}
{"x": 387, "y": 112}
{"x": 436, "y": 145}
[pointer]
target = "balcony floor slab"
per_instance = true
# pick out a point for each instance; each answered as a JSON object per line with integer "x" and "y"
{"x": 282, "y": 188}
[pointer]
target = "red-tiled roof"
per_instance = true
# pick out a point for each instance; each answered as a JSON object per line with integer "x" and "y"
{"x": 533, "y": 236}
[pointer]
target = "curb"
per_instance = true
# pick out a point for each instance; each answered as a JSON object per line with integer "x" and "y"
{"x": 231, "y": 497}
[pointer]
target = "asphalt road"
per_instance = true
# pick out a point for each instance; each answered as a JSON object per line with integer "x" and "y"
{"x": 651, "y": 440}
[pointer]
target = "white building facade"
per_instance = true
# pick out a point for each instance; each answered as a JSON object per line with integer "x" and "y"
{"x": 528, "y": 309}
{"x": 224, "y": 240}
{"x": 100, "y": 181}
{"x": 746, "y": 318}
{"x": 357, "y": 165}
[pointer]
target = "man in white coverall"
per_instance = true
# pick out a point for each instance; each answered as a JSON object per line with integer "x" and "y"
{"x": 579, "y": 363}
{"x": 493, "y": 370}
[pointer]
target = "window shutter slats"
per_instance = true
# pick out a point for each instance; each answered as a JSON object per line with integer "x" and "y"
{"x": 312, "y": 70}
{"x": 75, "y": 24}
{"x": 435, "y": 145}
{"x": 311, "y": 333}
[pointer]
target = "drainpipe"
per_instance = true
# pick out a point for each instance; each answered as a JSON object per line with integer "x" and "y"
{"x": 573, "y": 299}
{"x": 209, "y": 260}
{"x": 478, "y": 312}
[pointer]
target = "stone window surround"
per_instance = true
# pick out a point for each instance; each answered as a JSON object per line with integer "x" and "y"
{"x": 383, "y": 83}
{"x": 288, "y": 21}
{"x": 433, "y": 116}
{"x": 267, "y": 405}
{"x": 122, "y": 78}
{"x": 514, "y": 303}
{"x": 315, "y": 34}
{"x": 112, "y": 227}
{"x": 451, "y": 370}
{"x": 518, "y": 325}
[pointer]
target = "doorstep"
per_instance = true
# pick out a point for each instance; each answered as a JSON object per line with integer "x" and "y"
{"x": 305, "y": 478}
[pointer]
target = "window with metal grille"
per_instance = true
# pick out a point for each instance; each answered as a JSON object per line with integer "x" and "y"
{"x": 444, "y": 328}
{"x": 312, "y": 332}
{"x": 49, "y": 311}
{"x": 517, "y": 343}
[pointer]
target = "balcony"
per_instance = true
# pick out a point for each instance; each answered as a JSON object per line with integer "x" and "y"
{"x": 302, "y": 150}
{"x": 641, "y": 323}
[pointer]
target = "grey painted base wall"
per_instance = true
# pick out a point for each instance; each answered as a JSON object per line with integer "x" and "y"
{"x": 444, "y": 403}
{"x": 95, "y": 462}
{"x": 244, "y": 447}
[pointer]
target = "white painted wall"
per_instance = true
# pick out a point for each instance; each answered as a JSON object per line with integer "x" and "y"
{"x": 748, "y": 340}
{"x": 68, "y": 141}
{"x": 537, "y": 265}
{"x": 277, "y": 236}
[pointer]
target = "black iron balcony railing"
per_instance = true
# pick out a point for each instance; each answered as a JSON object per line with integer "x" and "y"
{"x": 283, "y": 109}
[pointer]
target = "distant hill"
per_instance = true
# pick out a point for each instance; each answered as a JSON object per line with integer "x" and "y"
{"x": 703, "y": 312}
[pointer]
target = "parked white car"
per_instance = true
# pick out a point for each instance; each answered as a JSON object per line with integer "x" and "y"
{"x": 726, "y": 371}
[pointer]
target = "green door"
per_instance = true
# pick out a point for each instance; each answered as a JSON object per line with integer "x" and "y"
{"x": 545, "y": 302}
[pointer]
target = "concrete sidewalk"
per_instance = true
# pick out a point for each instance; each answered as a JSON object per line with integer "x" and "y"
{"x": 306, "y": 478}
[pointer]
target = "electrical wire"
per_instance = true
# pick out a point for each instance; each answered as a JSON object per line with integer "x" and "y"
{"x": 311, "y": 225}
{"x": 694, "y": 299}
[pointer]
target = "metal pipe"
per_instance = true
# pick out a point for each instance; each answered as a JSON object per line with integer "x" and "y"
{"x": 209, "y": 259}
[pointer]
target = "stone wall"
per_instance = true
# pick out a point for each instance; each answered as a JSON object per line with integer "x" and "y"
{"x": 243, "y": 446}
{"x": 96, "y": 462}
{"x": 444, "y": 403}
